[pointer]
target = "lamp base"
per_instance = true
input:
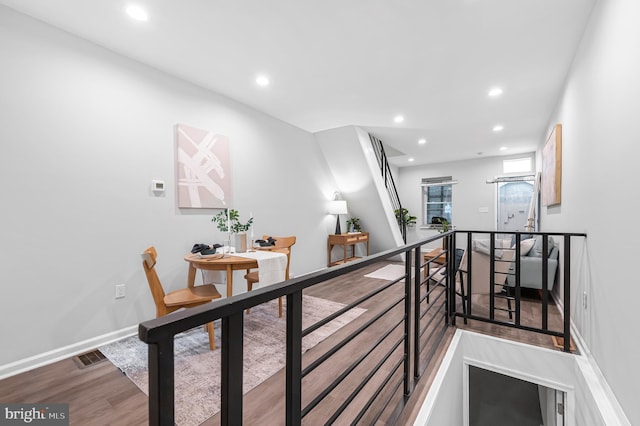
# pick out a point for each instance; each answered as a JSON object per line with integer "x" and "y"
{"x": 338, "y": 231}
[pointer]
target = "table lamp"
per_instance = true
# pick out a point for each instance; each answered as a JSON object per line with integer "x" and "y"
{"x": 338, "y": 207}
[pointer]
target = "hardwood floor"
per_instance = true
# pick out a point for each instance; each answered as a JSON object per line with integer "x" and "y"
{"x": 97, "y": 395}
{"x": 530, "y": 313}
{"x": 101, "y": 394}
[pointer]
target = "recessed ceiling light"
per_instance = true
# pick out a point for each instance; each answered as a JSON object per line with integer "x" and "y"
{"x": 503, "y": 148}
{"x": 398, "y": 119}
{"x": 495, "y": 91}
{"x": 137, "y": 13}
{"x": 422, "y": 141}
{"x": 262, "y": 80}
{"x": 498, "y": 128}
{"x": 411, "y": 160}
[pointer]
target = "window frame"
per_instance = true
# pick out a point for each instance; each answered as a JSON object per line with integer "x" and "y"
{"x": 510, "y": 162}
{"x": 445, "y": 183}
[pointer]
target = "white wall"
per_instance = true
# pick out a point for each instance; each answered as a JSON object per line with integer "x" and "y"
{"x": 598, "y": 111}
{"x": 443, "y": 404}
{"x": 350, "y": 156}
{"x": 469, "y": 195}
{"x": 83, "y": 132}
{"x": 447, "y": 400}
{"x": 599, "y": 115}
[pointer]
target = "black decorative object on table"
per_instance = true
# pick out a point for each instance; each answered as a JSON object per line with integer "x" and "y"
{"x": 269, "y": 242}
{"x": 205, "y": 248}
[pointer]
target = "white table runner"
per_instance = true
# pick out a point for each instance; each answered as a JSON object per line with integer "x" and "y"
{"x": 272, "y": 266}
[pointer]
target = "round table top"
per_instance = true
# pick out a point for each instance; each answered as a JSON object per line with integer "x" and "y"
{"x": 226, "y": 260}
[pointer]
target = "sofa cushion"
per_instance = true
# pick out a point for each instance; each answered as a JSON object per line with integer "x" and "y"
{"x": 526, "y": 246}
{"x": 536, "y": 250}
{"x": 484, "y": 246}
{"x": 522, "y": 238}
{"x": 531, "y": 271}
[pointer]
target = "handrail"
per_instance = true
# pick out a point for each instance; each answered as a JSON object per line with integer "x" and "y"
{"x": 429, "y": 307}
{"x": 387, "y": 176}
{"x": 159, "y": 334}
{"x": 565, "y": 334}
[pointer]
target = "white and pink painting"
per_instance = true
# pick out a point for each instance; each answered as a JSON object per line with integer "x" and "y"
{"x": 203, "y": 168}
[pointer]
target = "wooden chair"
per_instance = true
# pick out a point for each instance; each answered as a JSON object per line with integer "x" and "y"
{"x": 282, "y": 245}
{"x": 183, "y": 298}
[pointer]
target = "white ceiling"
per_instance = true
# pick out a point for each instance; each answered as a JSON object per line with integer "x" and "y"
{"x": 359, "y": 62}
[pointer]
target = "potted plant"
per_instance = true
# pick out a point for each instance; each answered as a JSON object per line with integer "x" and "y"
{"x": 228, "y": 220}
{"x": 353, "y": 225}
{"x": 403, "y": 216}
{"x": 222, "y": 220}
{"x": 444, "y": 226}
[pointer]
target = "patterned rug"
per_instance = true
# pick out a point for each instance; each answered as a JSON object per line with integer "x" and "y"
{"x": 197, "y": 368}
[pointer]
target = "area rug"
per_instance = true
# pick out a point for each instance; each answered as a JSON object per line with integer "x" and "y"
{"x": 197, "y": 368}
{"x": 389, "y": 272}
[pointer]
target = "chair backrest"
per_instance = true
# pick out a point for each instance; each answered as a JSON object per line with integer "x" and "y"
{"x": 148, "y": 264}
{"x": 283, "y": 245}
{"x": 282, "y": 242}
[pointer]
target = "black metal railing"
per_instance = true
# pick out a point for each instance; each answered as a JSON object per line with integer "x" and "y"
{"x": 411, "y": 320}
{"x": 391, "y": 347}
{"x": 504, "y": 281}
{"x": 432, "y": 305}
{"x": 387, "y": 177}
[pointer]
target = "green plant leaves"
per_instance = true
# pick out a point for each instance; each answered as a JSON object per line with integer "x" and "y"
{"x": 220, "y": 220}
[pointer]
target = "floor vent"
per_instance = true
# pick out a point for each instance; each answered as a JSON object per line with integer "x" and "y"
{"x": 88, "y": 359}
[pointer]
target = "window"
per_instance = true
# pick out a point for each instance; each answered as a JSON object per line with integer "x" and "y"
{"x": 517, "y": 165}
{"x": 436, "y": 199}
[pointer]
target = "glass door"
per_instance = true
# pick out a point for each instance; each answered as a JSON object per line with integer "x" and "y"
{"x": 514, "y": 204}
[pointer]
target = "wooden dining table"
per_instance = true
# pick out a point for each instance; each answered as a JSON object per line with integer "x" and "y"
{"x": 228, "y": 263}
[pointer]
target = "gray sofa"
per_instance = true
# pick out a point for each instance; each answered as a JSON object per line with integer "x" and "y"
{"x": 531, "y": 266}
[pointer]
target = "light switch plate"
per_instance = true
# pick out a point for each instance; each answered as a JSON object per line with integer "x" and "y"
{"x": 121, "y": 291}
{"x": 157, "y": 185}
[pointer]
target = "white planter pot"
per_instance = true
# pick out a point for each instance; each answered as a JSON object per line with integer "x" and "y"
{"x": 241, "y": 242}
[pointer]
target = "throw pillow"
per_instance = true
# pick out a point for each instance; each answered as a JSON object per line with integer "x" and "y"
{"x": 522, "y": 238}
{"x": 536, "y": 250}
{"x": 484, "y": 246}
{"x": 526, "y": 246}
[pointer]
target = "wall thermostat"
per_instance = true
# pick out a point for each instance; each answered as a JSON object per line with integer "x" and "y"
{"x": 157, "y": 185}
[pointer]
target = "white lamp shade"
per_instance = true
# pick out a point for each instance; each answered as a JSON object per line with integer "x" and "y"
{"x": 338, "y": 207}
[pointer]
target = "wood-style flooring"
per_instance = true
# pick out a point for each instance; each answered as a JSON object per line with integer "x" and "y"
{"x": 100, "y": 394}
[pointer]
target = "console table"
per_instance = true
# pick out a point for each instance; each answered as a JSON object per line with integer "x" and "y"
{"x": 346, "y": 240}
{"x": 437, "y": 255}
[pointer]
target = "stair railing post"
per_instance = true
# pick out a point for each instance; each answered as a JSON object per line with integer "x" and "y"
{"x": 407, "y": 324}
{"x": 231, "y": 365}
{"x": 294, "y": 359}
{"x": 567, "y": 293}
{"x": 161, "y": 382}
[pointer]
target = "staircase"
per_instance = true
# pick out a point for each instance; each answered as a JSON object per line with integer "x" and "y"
{"x": 359, "y": 178}
{"x": 389, "y": 184}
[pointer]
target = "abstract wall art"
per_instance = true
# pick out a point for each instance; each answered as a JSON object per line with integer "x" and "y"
{"x": 552, "y": 168}
{"x": 203, "y": 168}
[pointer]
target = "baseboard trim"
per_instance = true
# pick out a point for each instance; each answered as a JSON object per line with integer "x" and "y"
{"x": 30, "y": 363}
{"x": 424, "y": 413}
{"x": 608, "y": 404}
